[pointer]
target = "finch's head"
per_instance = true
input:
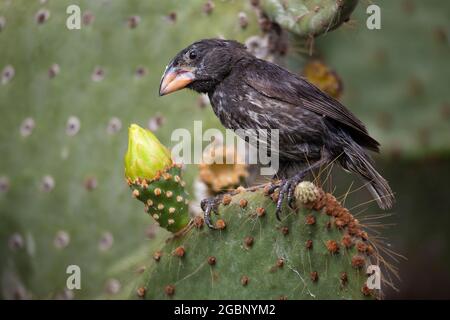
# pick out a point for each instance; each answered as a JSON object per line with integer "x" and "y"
{"x": 201, "y": 66}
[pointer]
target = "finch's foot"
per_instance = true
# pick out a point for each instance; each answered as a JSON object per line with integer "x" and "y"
{"x": 286, "y": 189}
{"x": 210, "y": 205}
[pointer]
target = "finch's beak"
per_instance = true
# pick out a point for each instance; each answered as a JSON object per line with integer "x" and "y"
{"x": 175, "y": 78}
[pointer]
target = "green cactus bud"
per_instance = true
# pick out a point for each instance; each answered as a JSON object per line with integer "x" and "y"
{"x": 146, "y": 156}
{"x": 155, "y": 180}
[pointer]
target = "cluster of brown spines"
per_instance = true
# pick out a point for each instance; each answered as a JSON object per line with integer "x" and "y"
{"x": 141, "y": 291}
{"x": 279, "y": 264}
{"x": 144, "y": 183}
{"x": 198, "y": 222}
{"x": 157, "y": 255}
{"x": 179, "y": 252}
{"x": 220, "y": 224}
{"x": 169, "y": 290}
{"x": 354, "y": 236}
{"x": 274, "y": 195}
{"x": 245, "y": 280}
{"x": 332, "y": 246}
{"x": 212, "y": 261}
{"x": 342, "y": 219}
{"x": 248, "y": 242}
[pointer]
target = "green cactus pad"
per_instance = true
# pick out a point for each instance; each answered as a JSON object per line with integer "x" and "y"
{"x": 307, "y": 18}
{"x": 165, "y": 198}
{"x": 310, "y": 254}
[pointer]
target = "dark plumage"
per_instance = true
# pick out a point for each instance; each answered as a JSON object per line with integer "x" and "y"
{"x": 246, "y": 92}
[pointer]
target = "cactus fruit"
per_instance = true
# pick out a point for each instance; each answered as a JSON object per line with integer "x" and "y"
{"x": 309, "y": 18}
{"x": 155, "y": 180}
{"x": 317, "y": 252}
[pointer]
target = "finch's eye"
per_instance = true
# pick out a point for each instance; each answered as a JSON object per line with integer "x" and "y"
{"x": 192, "y": 55}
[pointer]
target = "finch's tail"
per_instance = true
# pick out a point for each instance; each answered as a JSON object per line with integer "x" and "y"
{"x": 355, "y": 159}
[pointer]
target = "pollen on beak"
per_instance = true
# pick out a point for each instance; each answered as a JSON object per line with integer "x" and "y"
{"x": 174, "y": 79}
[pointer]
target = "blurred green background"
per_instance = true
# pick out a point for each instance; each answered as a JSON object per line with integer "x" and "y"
{"x": 68, "y": 96}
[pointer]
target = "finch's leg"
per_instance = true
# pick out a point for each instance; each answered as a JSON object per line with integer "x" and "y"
{"x": 273, "y": 186}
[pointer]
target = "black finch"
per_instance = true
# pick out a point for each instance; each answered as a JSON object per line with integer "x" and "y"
{"x": 250, "y": 93}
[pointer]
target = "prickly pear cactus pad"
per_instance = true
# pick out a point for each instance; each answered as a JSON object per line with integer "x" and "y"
{"x": 317, "y": 252}
{"x": 309, "y": 18}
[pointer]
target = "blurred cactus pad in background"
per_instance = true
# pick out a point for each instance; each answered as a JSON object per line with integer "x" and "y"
{"x": 67, "y": 98}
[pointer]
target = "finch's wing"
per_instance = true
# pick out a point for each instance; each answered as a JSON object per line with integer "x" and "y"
{"x": 277, "y": 83}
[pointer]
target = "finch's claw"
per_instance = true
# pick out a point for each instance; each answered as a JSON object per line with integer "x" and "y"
{"x": 273, "y": 186}
{"x": 287, "y": 187}
{"x": 209, "y": 205}
{"x": 290, "y": 197}
{"x": 284, "y": 186}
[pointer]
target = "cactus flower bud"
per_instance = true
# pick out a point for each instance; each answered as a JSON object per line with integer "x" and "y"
{"x": 146, "y": 156}
{"x": 155, "y": 180}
